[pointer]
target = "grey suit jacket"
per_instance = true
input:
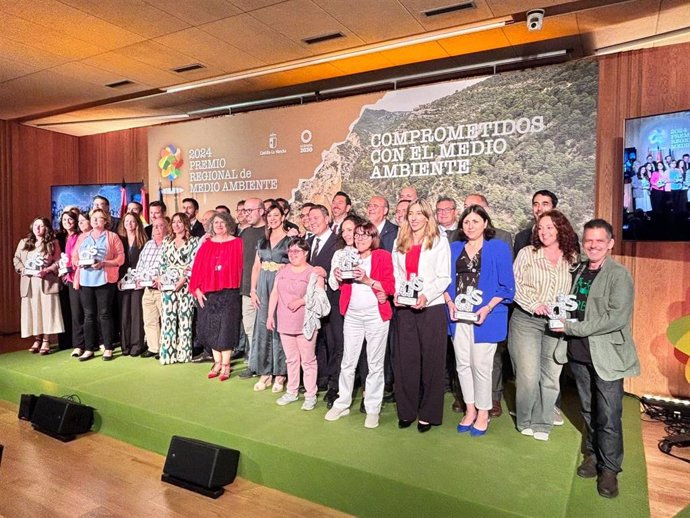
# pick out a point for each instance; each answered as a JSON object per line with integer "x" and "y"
{"x": 607, "y": 324}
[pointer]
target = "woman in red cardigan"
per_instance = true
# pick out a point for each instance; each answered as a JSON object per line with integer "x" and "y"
{"x": 98, "y": 255}
{"x": 367, "y": 310}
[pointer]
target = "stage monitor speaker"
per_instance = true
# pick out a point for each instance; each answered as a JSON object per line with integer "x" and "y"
{"x": 61, "y": 418}
{"x": 27, "y": 404}
{"x": 200, "y": 466}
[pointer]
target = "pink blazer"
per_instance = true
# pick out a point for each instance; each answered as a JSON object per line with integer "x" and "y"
{"x": 115, "y": 255}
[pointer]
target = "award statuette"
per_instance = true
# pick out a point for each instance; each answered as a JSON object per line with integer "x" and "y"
{"x": 146, "y": 278}
{"x": 169, "y": 279}
{"x": 63, "y": 269}
{"x": 33, "y": 265}
{"x": 348, "y": 261}
{"x": 409, "y": 290}
{"x": 88, "y": 257}
{"x": 129, "y": 280}
{"x": 464, "y": 303}
{"x": 558, "y": 312}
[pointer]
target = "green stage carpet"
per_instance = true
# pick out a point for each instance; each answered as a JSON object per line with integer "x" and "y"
{"x": 380, "y": 472}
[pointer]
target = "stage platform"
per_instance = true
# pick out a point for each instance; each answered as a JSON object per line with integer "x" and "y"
{"x": 379, "y": 472}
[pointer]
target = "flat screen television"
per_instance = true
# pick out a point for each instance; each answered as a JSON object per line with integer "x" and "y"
{"x": 656, "y": 177}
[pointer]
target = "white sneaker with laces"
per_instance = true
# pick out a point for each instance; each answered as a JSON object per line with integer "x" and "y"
{"x": 336, "y": 413}
{"x": 286, "y": 399}
{"x": 309, "y": 403}
{"x": 541, "y": 436}
{"x": 371, "y": 421}
{"x": 527, "y": 431}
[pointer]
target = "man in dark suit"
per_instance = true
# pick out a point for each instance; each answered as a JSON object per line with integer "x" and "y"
{"x": 501, "y": 350}
{"x": 542, "y": 201}
{"x": 329, "y": 344}
{"x": 377, "y": 210}
{"x": 447, "y": 217}
{"x": 156, "y": 211}
{"x": 191, "y": 208}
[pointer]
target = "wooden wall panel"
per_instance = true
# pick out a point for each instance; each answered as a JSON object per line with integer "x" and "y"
{"x": 635, "y": 84}
{"x": 112, "y": 157}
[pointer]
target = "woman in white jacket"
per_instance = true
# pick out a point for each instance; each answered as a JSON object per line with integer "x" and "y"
{"x": 419, "y": 342}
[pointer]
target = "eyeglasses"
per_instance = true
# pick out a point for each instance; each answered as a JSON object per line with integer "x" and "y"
{"x": 250, "y": 210}
{"x": 444, "y": 211}
{"x": 296, "y": 251}
{"x": 362, "y": 236}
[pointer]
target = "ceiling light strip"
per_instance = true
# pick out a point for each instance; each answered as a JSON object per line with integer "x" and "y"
{"x": 328, "y": 58}
{"x": 120, "y": 119}
{"x": 634, "y": 44}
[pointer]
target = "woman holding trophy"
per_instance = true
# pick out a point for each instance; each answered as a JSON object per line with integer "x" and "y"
{"x": 98, "y": 255}
{"x": 129, "y": 298}
{"x": 482, "y": 287}
{"x": 366, "y": 282}
{"x": 177, "y": 256}
{"x": 542, "y": 276}
{"x": 421, "y": 264}
{"x": 36, "y": 260}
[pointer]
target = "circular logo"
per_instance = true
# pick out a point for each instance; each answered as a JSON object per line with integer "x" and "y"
{"x": 306, "y": 136}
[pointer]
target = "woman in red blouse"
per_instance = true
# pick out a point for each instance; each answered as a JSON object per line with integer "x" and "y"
{"x": 215, "y": 283}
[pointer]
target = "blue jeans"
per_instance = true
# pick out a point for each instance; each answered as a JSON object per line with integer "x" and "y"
{"x": 531, "y": 347}
{"x": 602, "y": 410}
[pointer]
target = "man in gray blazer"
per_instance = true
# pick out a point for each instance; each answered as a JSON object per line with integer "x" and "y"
{"x": 598, "y": 345}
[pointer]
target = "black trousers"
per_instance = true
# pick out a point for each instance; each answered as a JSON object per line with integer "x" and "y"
{"x": 131, "y": 321}
{"x": 65, "y": 338}
{"x": 419, "y": 353}
{"x": 76, "y": 316}
{"x": 98, "y": 303}
{"x": 334, "y": 341}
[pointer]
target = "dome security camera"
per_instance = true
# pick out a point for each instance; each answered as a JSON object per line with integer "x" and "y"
{"x": 535, "y": 19}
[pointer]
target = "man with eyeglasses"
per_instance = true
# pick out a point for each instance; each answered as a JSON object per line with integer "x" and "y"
{"x": 253, "y": 212}
{"x": 377, "y": 210}
{"x": 447, "y": 217}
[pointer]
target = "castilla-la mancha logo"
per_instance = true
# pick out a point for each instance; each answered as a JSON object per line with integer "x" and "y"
{"x": 273, "y": 148}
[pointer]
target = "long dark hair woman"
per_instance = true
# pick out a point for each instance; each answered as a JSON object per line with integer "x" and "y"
{"x": 131, "y": 231}
{"x": 36, "y": 260}
{"x": 542, "y": 273}
{"x": 73, "y": 337}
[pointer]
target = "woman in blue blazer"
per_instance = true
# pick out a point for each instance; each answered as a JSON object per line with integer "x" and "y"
{"x": 482, "y": 270}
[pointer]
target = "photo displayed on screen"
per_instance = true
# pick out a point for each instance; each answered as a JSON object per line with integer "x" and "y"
{"x": 81, "y": 197}
{"x": 656, "y": 178}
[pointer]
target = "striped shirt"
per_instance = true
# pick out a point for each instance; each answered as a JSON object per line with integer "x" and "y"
{"x": 537, "y": 281}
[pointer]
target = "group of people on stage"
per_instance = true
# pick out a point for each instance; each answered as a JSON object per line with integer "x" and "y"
{"x": 661, "y": 186}
{"x": 314, "y": 306}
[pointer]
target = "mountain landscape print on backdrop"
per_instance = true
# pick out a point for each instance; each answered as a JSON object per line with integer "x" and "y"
{"x": 504, "y": 136}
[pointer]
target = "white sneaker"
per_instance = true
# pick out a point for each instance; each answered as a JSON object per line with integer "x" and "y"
{"x": 371, "y": 421}
{"x": 336, "y": 413}
{"x": 309, "y": 403}
{"x": 527, "y": 431}
{"x": 286, "y": 399}
{"x": 557, "y": 416}
{"x": 541, "y": 436}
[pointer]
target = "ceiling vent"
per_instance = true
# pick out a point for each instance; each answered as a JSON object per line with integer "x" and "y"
{"x": 326, "y": 37}
{"x": 188, "y": 68}
{"x": 449, "y": 9}
{"x": 120, "y": 84}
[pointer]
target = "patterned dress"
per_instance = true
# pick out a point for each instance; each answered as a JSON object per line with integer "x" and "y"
{"x": 178, "y": 306}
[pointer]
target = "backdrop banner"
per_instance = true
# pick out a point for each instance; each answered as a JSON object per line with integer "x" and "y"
{"x": 504, "y": 136}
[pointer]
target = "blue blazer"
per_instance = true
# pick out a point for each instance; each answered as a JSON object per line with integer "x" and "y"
{"x": 495, "y": 280}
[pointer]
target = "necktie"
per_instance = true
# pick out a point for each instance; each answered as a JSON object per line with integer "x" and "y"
{"x": 316, "y": 248}
{"x": 334, "y": 228}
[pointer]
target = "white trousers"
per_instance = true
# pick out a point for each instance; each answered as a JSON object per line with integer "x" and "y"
{"x": 474, "y": 363}
{"x": 357, "y": 328}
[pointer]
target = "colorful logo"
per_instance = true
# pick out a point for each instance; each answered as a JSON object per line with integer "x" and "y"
{"x": 170, "y": 162}
{"x": 678, "y": 333}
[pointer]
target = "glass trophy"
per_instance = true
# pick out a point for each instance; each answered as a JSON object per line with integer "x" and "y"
{"x": 168, "y": 281}
{"x": 464, "y": 305}
{"x": 146, "y": 278}
{"x": 348, "y": 261}
{"x": 129, "y": 280}
{"x": 87, "y": 257}
{"x": 409, "y": 291}
{"x": 558, "y": 312}
{"x": 63, "y": 268}
{"x": 34, "y": 265}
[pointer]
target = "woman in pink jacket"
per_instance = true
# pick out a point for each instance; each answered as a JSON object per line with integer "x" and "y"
{"x": 98, "y": 255}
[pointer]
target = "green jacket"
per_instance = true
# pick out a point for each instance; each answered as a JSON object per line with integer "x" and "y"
{"x": 607, "y": 324}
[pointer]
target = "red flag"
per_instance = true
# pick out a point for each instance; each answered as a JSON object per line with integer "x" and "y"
{"x": 123, "y": 199}
{"x": 144, "y": 205}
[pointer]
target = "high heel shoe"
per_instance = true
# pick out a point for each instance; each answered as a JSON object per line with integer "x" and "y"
{"x": 263, "y": 383}
{"x": 278, "y": 384}
{"x": 214, "y": 373}
{"x": 35, "y": 347}
{"x": 45, "y": 346}
{"x": 225, "y": 372}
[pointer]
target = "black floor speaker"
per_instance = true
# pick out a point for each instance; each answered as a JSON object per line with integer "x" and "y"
{"x": 27, "y": 405}
{"x": 200, "y": 466}
{"x": 61, "y": 418}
